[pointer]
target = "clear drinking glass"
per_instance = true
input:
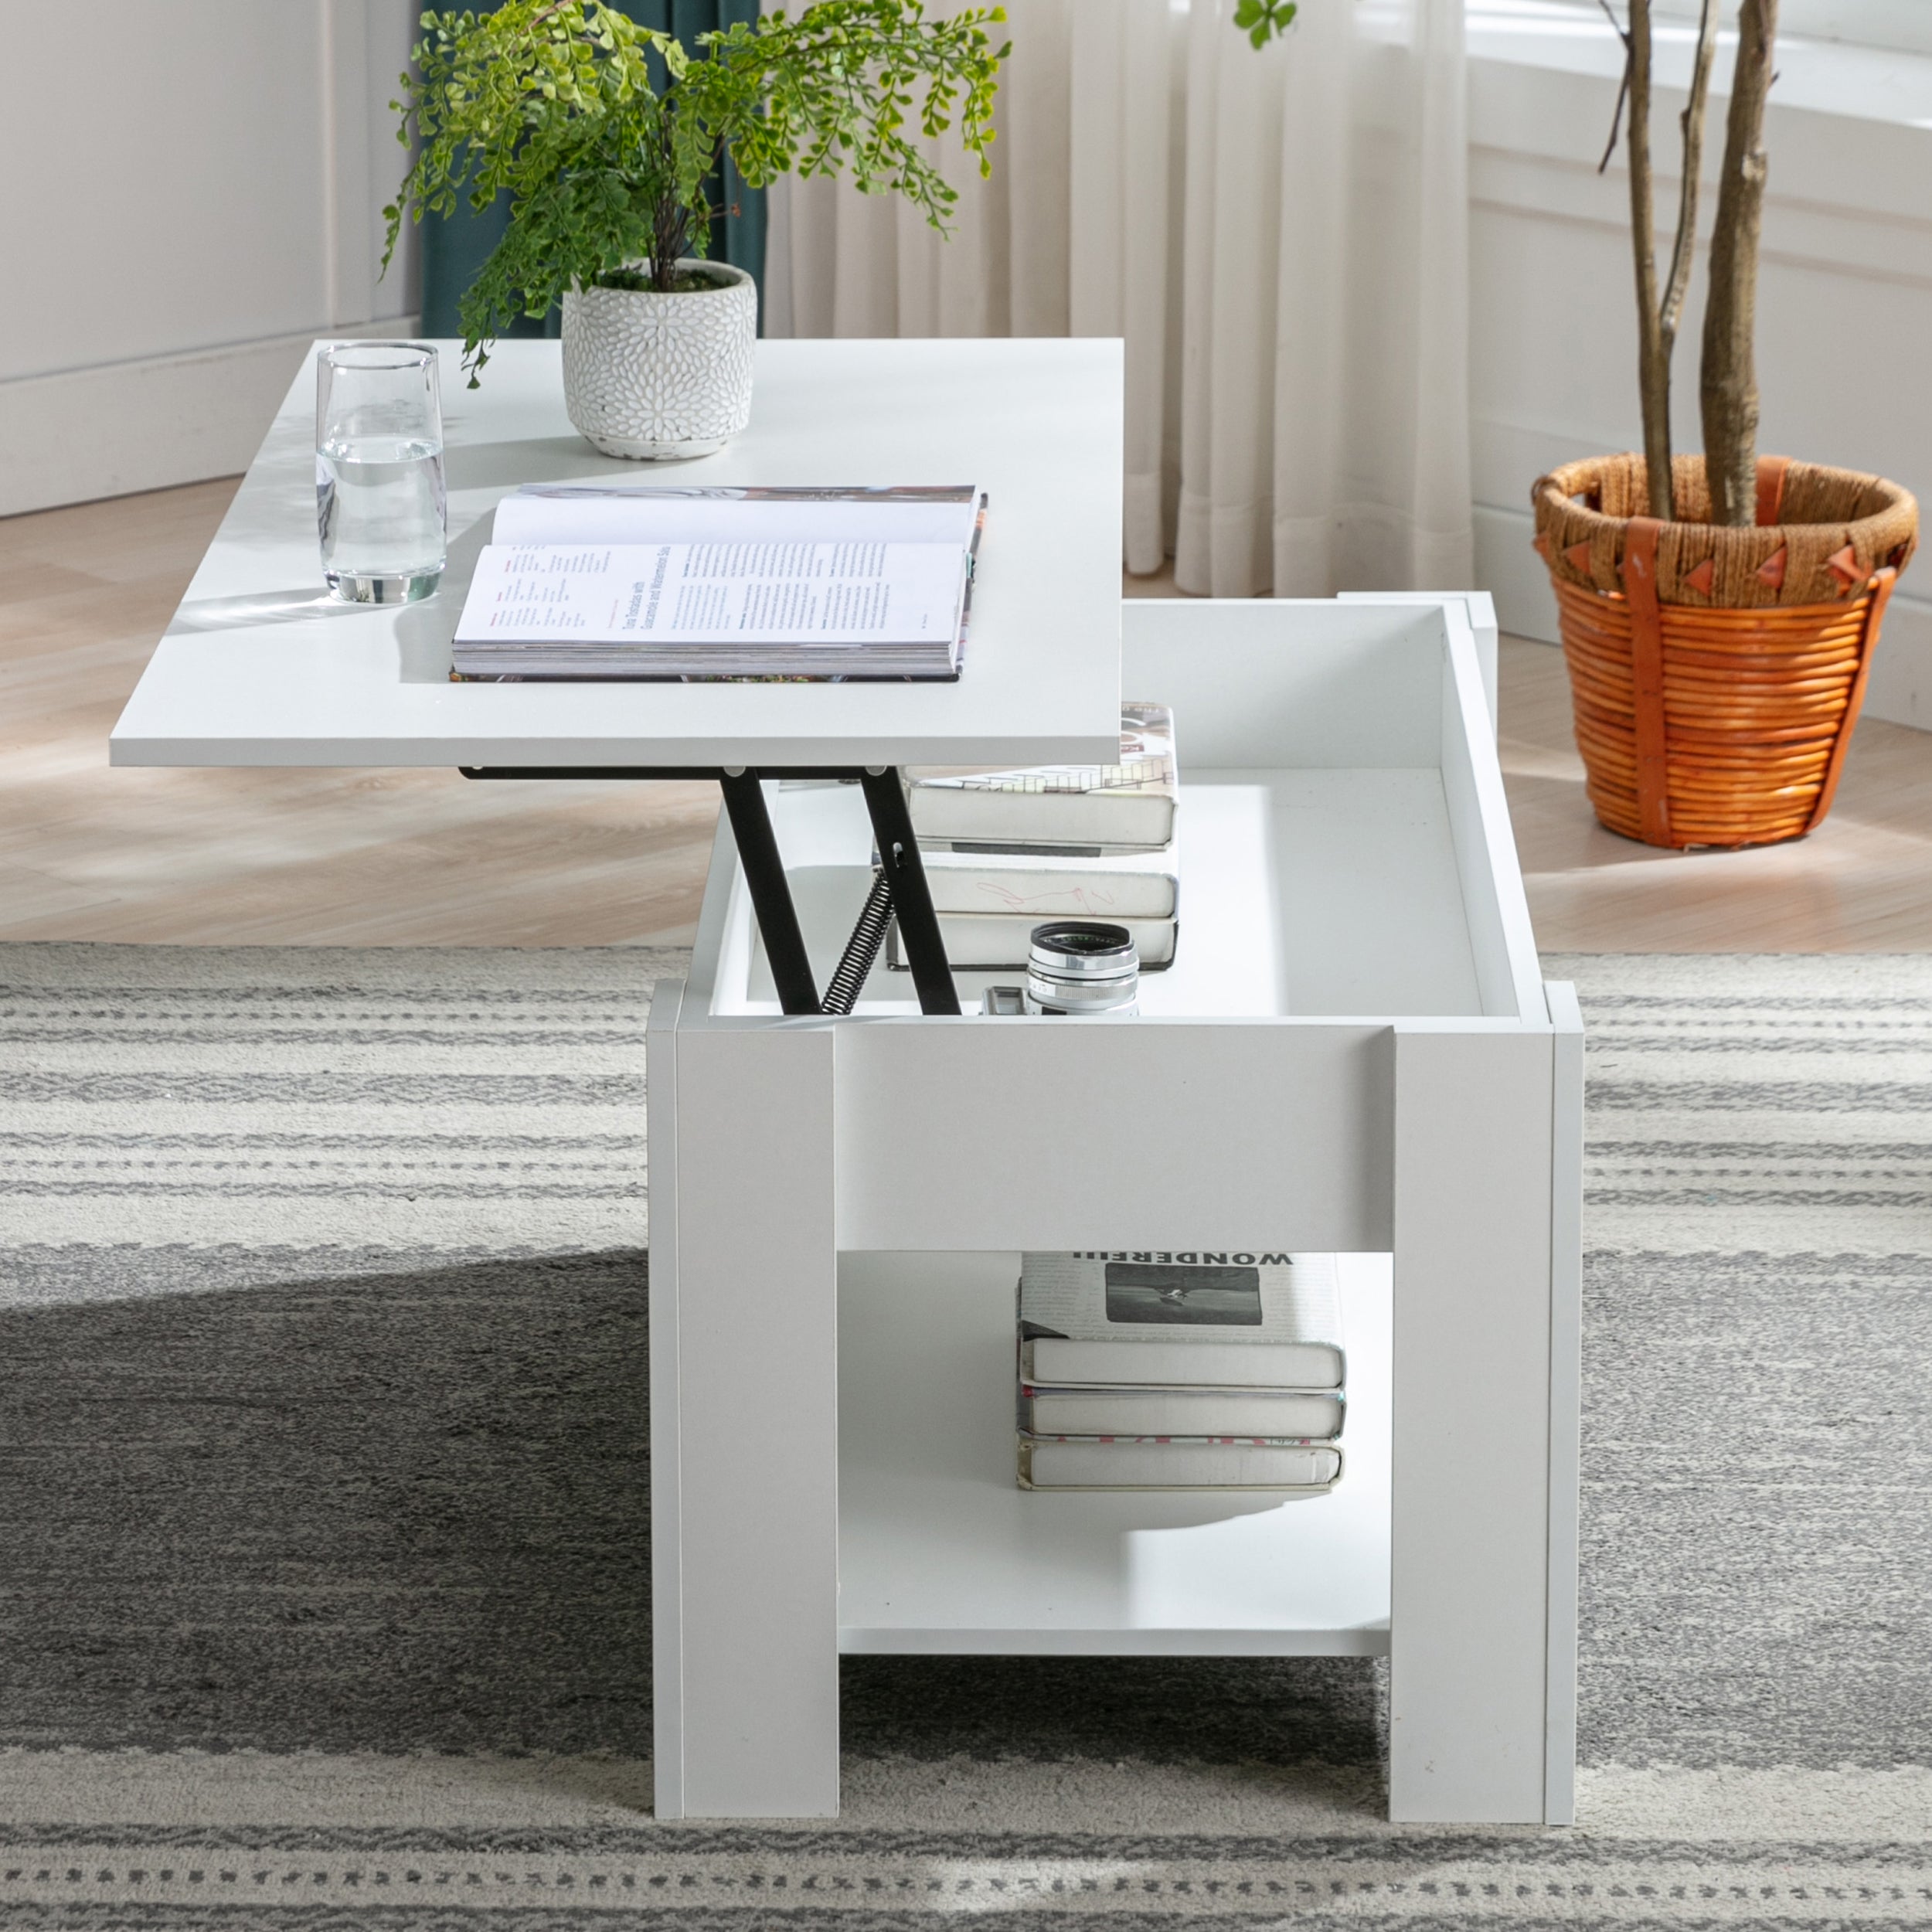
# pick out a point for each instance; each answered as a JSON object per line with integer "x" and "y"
{"x": 379, "y": 471}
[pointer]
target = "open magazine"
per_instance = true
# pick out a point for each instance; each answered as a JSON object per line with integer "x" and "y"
{"x": 584, "y": 581}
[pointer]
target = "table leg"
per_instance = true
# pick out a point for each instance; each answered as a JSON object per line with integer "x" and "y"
{"x": 744, "y": 1388}
{"x": 1483, "y": 1260}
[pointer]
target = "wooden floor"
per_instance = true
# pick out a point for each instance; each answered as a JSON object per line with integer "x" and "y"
{"x": 385, "y": 858}
{"x": 422, "y": 858}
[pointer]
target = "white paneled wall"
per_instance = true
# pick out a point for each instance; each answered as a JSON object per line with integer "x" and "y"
{"x": 192, "y": 191}
{"x": 1845, "y": 301}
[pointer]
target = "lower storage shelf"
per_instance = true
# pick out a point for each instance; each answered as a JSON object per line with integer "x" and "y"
{"x": 940, "y": 1551}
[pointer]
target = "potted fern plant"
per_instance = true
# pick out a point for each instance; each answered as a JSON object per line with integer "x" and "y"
{"x": 1719, "y": 613}
{"x": 605, "y": 134}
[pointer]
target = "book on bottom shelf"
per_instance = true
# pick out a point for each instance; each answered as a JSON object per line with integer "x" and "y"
{"x": 1182, "y": 1318}
{"x": 1273, "y": 1415}
{"x": 1168, "y": 1462}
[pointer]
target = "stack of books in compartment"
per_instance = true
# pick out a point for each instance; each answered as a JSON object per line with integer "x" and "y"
{"x": 1200, "y": 1369}
{"x": 1005, "y": 850}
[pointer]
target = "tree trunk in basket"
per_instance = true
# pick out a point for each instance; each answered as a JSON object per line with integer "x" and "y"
{"x": 1656, "y": 321}
{"x": 1653, "y": 353}
{"x": 1729, "y": 383}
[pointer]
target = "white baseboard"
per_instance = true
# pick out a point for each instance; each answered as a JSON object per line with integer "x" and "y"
{"x": 150, "y": 424}
{"x": 1900, "y": 689}
{"x": 1901, "y": 686}
{"x": 1513, "y": 574}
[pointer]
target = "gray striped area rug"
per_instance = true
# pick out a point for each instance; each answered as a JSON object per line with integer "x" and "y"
{"x": 323, "y": 1532}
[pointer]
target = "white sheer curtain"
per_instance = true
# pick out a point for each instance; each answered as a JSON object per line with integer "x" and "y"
{"x": 1280, "y": 236}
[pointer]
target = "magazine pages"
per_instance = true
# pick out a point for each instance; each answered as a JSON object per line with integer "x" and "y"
{"x": 581, "y": 581}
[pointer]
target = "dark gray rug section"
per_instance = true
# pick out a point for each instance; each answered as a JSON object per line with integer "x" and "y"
{"x": 354, "y": 1509}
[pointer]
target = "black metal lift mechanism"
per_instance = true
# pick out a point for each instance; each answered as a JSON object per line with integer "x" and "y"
{"x": 898, "y": 863}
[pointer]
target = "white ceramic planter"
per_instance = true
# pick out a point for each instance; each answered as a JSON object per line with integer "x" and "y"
{"x": 654, "y": 376}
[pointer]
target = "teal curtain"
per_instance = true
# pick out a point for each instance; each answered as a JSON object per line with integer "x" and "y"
{"x": 454, "y": 249}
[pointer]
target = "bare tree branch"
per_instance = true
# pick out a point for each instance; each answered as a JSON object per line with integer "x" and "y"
{"x": 1653, "y": 357}
{"x": 1692, "y": 123}
{"x": 1623, "y": 88}
{"x": 1729, "y": 377}
{"x": 1617, "y": 119}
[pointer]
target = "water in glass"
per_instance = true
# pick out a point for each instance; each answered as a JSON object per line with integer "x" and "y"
{"x": 379, "y": 506}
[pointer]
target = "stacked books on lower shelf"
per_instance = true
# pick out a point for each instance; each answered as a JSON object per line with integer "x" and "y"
{"x": 1198, "y": 1369}
{"x": 1005, "y": 850}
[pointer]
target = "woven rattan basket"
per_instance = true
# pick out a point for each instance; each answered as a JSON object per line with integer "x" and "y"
{"x": 1717, "y": 673}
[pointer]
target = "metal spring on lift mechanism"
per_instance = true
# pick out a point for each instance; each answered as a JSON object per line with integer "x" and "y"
{"x": 862, "y": 949}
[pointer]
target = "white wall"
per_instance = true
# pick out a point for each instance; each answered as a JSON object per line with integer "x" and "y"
{"x": 1845, "y": 301}
{"x": 192, "y": 191}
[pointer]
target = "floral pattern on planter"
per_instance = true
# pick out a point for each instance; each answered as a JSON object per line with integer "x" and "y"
{"x": 650, "y": 375}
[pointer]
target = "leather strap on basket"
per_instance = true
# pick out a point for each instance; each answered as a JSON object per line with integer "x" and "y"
{"x": 1771, "y": 472}
{"x": 1647, "y": 677}
{"x": 1868, "y": 642}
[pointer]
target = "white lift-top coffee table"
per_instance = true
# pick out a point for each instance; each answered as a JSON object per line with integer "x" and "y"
{"x": 1354, "y": 1053}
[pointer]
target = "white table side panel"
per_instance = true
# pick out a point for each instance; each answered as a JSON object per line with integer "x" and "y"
{"x": 1470, "y": 1579}
{"x": 1047, "y": 1134}
{"x": 1502, "y": 942}
{"x": 667, "y": 1508}
{"x": 757, "y": 1421}
{"x": 1479, "y": 610}
{"x": 1289, "y": 682}
{"x": 942, "y": 1551}
{"x": 1370, "y": 910}
{"x": 1566, "y": 1397}
{"x": 722, "y": 946}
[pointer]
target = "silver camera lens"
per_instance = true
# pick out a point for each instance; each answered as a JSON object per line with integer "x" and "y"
{"x": 1078, "y": 966}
